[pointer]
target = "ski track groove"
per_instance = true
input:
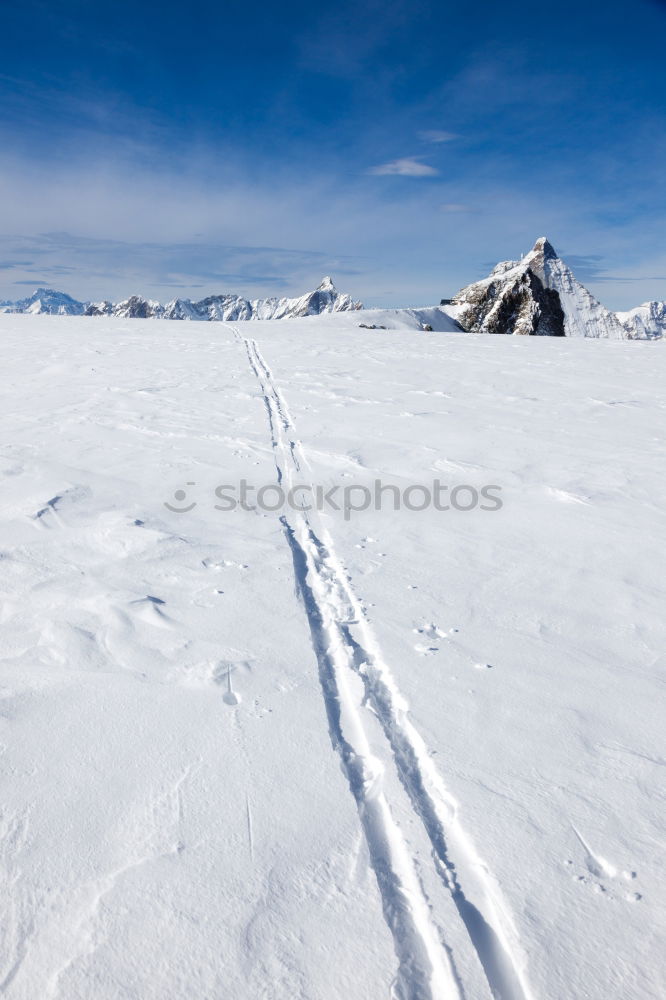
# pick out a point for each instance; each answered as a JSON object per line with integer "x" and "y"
{"x": 349, "y": 659}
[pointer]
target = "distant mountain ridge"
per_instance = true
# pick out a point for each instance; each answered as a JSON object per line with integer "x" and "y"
{"x": 46, "y": 300}
{"x": 324, "y": 299}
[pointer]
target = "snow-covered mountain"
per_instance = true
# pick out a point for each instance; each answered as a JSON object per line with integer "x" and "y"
{"x": 324, "y": 299}
{"x": 539, "y": 295}
{"x": 645, "y": 322}
{"x": 135, "y": 307}
{"x": 46, "y": 300}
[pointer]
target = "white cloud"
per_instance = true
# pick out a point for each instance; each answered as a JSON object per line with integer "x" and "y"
{"x": 437, "y": 135}
{"x": 408, "y": 166}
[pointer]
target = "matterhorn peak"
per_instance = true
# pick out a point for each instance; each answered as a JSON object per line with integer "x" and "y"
{"x": 545, "y": 247}
{"x": 537, "y": 295}
{"x": 326, "y": 284}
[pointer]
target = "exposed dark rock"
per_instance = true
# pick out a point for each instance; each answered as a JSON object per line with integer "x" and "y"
{"x": 99, "y": 309}
{"x": 518, "y": 305}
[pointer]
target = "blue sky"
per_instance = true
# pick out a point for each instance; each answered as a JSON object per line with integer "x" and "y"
{"x": 403, "y": 147}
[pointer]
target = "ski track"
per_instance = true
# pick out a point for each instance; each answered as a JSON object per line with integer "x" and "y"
{"x": 357, "y": 683}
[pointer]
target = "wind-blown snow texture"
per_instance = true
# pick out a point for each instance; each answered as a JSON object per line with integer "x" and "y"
{"x": 251, "y": 754}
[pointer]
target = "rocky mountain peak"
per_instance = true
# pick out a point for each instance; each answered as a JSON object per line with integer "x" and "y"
{"x": 545, "y": 247}
{"x": 537, "y": 295}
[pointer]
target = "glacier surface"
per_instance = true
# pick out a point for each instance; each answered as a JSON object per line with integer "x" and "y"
{"x": 279, "y": 754}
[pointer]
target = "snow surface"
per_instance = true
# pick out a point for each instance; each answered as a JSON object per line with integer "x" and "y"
{"x": 408, "y": 753}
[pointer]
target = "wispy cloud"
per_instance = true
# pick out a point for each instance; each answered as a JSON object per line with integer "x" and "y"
{"x": 436, "y": 135}
{"x": 114, "y": 264}
{"x": 408, "y": 166}
{"x": 453, "y": 206}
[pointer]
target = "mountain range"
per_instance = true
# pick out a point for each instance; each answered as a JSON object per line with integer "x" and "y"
{"x": 324, "y": 299}
{"x": 537, "y": 295}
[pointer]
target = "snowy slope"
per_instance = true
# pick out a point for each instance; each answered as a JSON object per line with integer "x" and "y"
{"x": 584, "y": 316}
{"x": 438, "y": 317}
{"x": 405, "y": 753}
